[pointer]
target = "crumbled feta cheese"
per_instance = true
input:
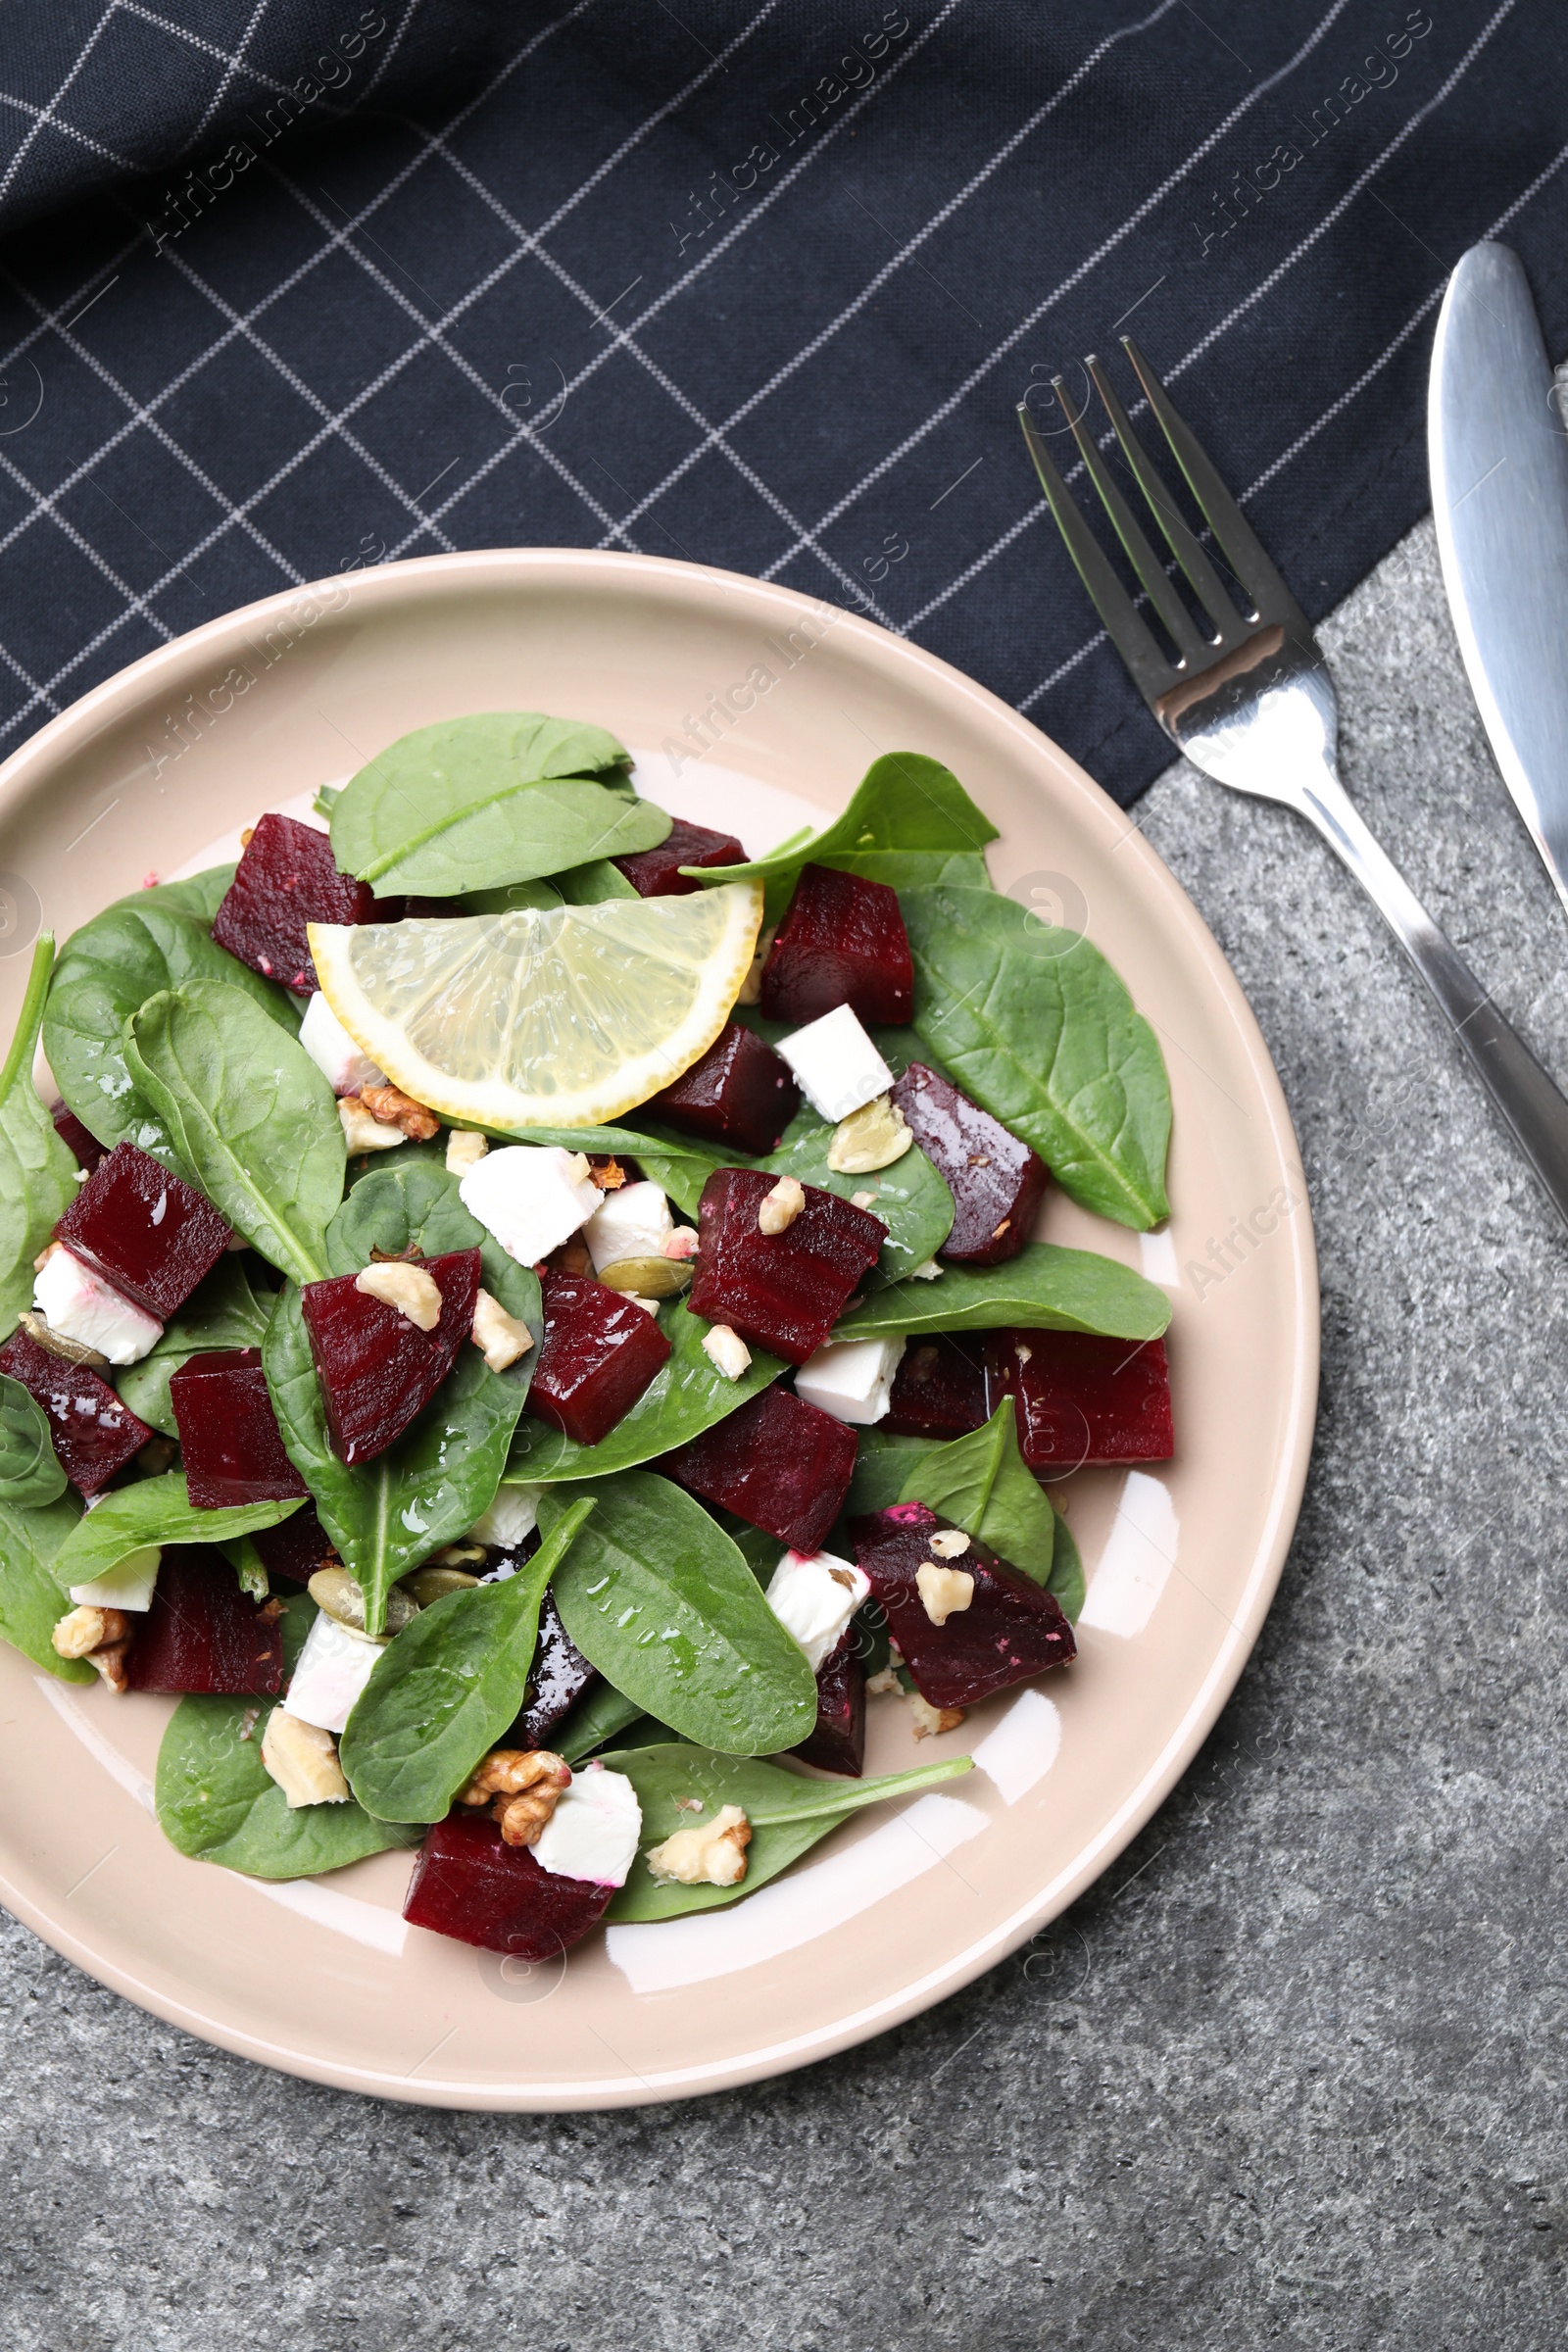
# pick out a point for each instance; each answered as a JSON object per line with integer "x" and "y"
{"x": 682, "y": 1244}
{"x": 927, "y": 1271}
{"x": 943, "y": 1591}
{"x": 532, "y": 1196}
{"x": 838, "y": 1068}
{"x": 813, "y": 1598}
{"x": 594, "y": 1830}
{"x": 633, "y": 1222}
{"x": 514, "y": 1514}
{"x": 726, "y": 1350}
{"x": 127, "y": 1585}
{"x": 80, "y": 1305}
{"x": 334, "y": 1667}
{"x": 851, "y": 1378}
{"x": 464, "y": 1149}
{"x": 344, "y": 1065}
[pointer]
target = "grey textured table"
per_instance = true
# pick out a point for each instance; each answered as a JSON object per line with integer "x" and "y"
{"x": 1294, "y": 2071}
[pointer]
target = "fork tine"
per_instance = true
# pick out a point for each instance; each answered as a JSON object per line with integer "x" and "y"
{"x": 1148, "y": 565}
{"x": 1271, "y": 599}
{"x": 1183, "y": 543}
{"x": 1152, "y": 674}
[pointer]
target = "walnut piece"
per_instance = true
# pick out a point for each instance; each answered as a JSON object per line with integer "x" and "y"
{"x": 464, "y": 1150}
{"x": 84, "y": 1630}
{"x": 930, "y": 1720}
{"x": 409, "y": 1288}
{"x": 392, "y": 1107}
{"x": 681, "y": 1244}
{"x": 944, "y": 1590}
{"x": 726, "y": 1350}
{"x": 499, "y": 1336}
{"x": 782, "y": 1205}
{"x": 302, "y": 1761}
{"x": 520, "y": 1785}
{"x": 608, "y": 1174}
{"x": 711, "y": 1853}
{"x": 362, "y": 1131}
{"x": 950, "y": 1543}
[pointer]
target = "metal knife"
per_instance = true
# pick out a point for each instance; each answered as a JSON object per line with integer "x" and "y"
{"x": 1498, "y": 453}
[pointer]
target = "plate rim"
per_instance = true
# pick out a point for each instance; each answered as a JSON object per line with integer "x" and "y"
{"x": 365, "y": 590}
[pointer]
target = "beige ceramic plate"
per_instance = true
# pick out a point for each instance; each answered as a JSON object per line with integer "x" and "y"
{"x": 755, "y": 709}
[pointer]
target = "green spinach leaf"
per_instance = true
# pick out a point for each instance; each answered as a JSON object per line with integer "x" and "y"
{"x": 251, "y": 1116}
{"x": 155, "y": 1510}
{"x": 37, "y": 1171}
{"x": 250, "y": 1569}
{"x": 474, "y": 803}
{"x": 904, "y": 802}
{"x": 29, "y": 1474}
{"x": 199, "y": 896}
{"x": 30, "y": 1607}
{"x": 158, "y": 940}
{"x": 788, "y": 1814}
{"x": 446, "y": 1690}
{"x": 597, "y": 1719}
{"x": 217, "y": 1802}
{"x": 656, "y": 1596}
{"x": 911, "y": 1199}
{"x": 882, "y": 1464}
{"x": 1049, "y": 1041}
{"x": 429, "y": 1489}
{"x": 590, "y": 885}
{"x": 686, "y": 1395}
{"x": 225, "y": 1310}
{"x": 1045, "y": 1287}
{"x": 982, "y": 1484}
{"x": 1066, "y": 1579}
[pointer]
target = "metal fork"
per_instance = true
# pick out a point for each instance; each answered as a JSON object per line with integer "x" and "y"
{"x": 1254, "y": 705}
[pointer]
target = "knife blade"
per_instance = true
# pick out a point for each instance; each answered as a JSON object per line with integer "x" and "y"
{"x": 1498, "y": 455}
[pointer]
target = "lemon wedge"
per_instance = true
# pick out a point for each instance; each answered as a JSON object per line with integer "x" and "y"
{"x": 558, "y": 1017}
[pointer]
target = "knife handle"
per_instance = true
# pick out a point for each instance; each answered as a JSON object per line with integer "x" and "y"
{"x": 1534, "y": 1112}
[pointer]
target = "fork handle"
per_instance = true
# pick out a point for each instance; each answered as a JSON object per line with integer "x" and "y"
{"x": 1530, "y": 1103}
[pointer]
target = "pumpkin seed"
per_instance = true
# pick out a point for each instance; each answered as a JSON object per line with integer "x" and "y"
{"x": 648, "y": 1277}
{"x": 434, "y": 1583}
{"x": 339, "y": 1593}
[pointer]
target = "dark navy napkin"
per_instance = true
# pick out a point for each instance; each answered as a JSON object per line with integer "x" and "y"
{"x": 292, "y": 287}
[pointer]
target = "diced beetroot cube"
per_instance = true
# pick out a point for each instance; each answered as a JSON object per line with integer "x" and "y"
{"x": 70, "y": 1129}
{"x": 468, "y": 1883}
{"x": 657, "y": 874}
{"x": 598, "y": 1352}
{"x": 150, "y": 1234}
{"x": 939, "y": 1389}
{"x": 557, "y": 1680}
{"x": 295, "y": 1548}
{"x": 94, "y": 1434}
{"x": 1081, "y": 1398}
{"x": 1013, "y": 1627}
{"x": 996, "y": 1181}
{"x": 741, "y": 1094}
{"x": 201, "y": 1632}
{"x": 377, "y": 1370}
{"x": 842, "y": 942}
{"x": 228, "y": 1433}
{"x": 780, "y": 1290}
{"x": 778, "y": 1461}
{"x": 838, "y": 1744}
{"x": 288, "y": 878}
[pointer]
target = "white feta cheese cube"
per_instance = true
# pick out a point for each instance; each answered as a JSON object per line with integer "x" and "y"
{"x": 813, "y": 1598}
{"x": 80, "y": 1305}
{"x": 634, "y": 1222}
{"x": 334, "y": 1667}
{"x": 341, "y": 1063}
{"x": 514, "y": 1514}
{"x": 127, "y": 1585}
{"x": 532, "y": 1196}
{"x": 726, "y": 1350}
{"x": 838, "y": 1068}
{"x": 852, "y": 1378}
{"x": 594, "y": 1830}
